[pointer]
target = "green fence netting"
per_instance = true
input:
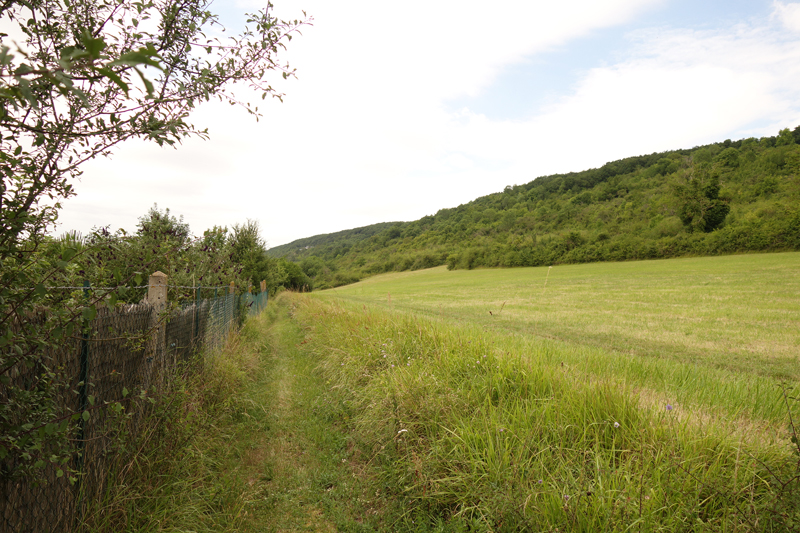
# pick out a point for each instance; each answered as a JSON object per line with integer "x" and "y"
{"x": 124, "y": 351}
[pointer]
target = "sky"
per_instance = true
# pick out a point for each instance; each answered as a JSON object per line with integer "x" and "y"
{"x": 399, "y": 109}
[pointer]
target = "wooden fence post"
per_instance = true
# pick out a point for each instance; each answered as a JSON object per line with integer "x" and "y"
{"x": 157, "y": 298}
{"x": 263, "y": 285}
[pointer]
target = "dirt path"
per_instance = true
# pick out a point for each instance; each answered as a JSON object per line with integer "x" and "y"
{"x": 292, "y": 453}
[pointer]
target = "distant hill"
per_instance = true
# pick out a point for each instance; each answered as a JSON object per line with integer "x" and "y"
{"x": 329, "y": 244}
{"x": 727, "y": 197}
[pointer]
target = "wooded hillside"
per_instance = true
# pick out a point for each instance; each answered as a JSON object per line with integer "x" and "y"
{"x": 727, "y": 197}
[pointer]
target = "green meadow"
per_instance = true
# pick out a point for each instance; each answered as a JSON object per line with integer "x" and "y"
{"x": 657, "y": 396}
{"x": 721, "y": 331}
{"x": 641, "y": 396}
{"x": 740, "y": 313}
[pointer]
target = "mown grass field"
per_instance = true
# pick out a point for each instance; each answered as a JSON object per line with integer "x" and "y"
{"x": 718, "y": 331}
{"x": 650, "y": 396}
{"x": 736, "y": 312}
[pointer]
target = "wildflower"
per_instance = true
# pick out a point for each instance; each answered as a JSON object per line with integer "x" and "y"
{"x": 566, "y": 497}
{"x": 541, "y": 481}
{"x": 501, "y": 430}
{"x": 669, "y": 407}
{"x": 616, "y": 424}
{"x": 392, "y": 366}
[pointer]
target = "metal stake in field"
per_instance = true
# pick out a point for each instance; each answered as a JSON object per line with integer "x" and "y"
{"x": 546, "y": 278}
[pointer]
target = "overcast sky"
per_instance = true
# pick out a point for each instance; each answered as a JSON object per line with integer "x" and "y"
{"x": 400, "y": 109}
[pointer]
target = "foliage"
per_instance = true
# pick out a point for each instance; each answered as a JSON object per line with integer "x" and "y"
{"x": 248, "y": 251}
{"x": 700, "y": 207}
{"x": 76, "y": 79}
{"x": 159, "y": 226}
{"x": 296, "y": 278}
{"x": 168, "y": 475}
{"x": 728, "y": 197}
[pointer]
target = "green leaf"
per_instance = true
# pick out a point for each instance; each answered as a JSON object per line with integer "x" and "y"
{"x": 40, "y": 290}
{"x": 68, "y": 253}
{"x": 85, "y": 416}
{"x": 94, "y": 46}
{"x": 90, "y": 399}
{"x": 70, "y": 54}
{"x": 113, "y": 76}
{"x": 143, "y": 56}
{"x": 148, "y": 85}
{"x": 89, "y": 313}
{"x": 59, "y": 473}
{"x": 22, "y": 70}
{"x": 124, "y": 392}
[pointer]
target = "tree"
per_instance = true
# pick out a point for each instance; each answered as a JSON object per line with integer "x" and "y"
{"x": 249, "y": 251}
{"x": 700, "y": 207}
{"x": 78, "y": 77}
{"x": 785, "y": 138}
{"x": 160, "y": 225}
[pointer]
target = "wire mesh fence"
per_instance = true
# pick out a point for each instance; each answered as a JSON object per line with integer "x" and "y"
{"x": 123, "y": 357}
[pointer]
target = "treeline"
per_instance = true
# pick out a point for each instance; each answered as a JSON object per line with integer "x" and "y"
{"x": 728, "y": 197}
{"x": 164, "y": 242}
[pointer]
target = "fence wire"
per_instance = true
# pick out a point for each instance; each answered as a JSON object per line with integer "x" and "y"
{"x": 125, "y": 355}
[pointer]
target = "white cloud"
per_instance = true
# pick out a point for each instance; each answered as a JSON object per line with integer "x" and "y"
{"x": 788, "y": 14}
{"x": 363, "y": 136}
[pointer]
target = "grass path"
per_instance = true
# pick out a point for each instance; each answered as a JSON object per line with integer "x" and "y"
{"x": 292, "y": 445}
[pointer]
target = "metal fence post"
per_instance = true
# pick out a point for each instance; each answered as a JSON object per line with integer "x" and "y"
{"x": 83, "y": 382}
{"x": 196, "y": 322}
{"x": 262, "y": 304}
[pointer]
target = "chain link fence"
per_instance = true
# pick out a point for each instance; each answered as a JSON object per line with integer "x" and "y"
{"x": 125, "y": 355}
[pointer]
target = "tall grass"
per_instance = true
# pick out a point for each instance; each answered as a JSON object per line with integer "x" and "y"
{"x": 176, "y": 474}
{"x": 476, "y": 431}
